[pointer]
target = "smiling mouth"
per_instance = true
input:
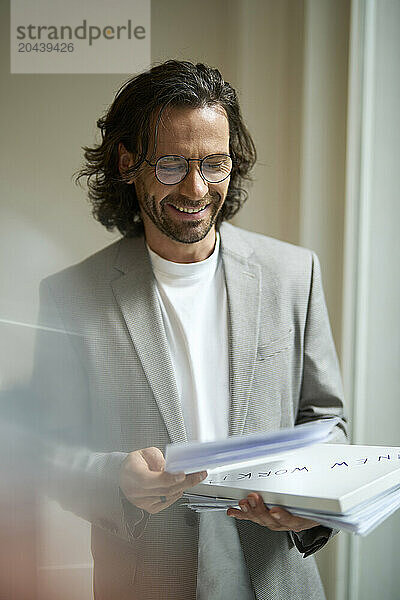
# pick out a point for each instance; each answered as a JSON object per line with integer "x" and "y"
{"x": 190, "y": 211}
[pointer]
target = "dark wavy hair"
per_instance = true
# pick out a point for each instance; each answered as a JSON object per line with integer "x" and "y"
{"x": 130, "y": 120}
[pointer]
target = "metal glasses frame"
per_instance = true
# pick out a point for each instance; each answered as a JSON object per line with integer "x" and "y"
{"x": 188, "y": 160}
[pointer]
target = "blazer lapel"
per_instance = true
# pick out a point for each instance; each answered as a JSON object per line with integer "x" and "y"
{"x": 135, "y": 293}
{"x": 243, "y": 282}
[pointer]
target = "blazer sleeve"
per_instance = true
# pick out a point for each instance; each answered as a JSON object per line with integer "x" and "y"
{"x": 80, "y": 479}
{"x": 322, "y": 390}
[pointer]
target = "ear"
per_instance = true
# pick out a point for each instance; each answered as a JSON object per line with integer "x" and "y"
{"x": 125, "y": 160}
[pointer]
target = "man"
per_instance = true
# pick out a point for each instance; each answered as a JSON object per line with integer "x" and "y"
{"x": 186, "y": 328}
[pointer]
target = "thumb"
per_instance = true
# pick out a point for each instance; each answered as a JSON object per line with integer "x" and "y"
{"x": 154, "y": 458}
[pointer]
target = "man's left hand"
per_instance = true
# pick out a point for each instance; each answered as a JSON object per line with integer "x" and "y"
{"x": 253, "y": 509}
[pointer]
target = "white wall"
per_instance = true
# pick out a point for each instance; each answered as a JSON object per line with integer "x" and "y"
{"x": 371, "y": 335}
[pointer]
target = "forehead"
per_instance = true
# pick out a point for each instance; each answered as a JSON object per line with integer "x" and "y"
{"x": 193, "y": 132}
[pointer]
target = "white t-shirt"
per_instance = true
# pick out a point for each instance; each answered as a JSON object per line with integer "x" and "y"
{"x": 194, "y": 307}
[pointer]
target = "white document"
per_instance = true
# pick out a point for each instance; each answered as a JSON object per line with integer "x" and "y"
{"x": 359, "y": 521}
{"x": 341, "y": 486}
{"x": 190, "y": 457}
{"x": 324, "y": 477}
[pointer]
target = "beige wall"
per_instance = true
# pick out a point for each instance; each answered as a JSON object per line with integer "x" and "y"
{"x": 296, "y": 114}
{"x": 288, "y": 59}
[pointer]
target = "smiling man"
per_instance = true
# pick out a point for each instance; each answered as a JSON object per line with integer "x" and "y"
{"x": 186, "y": 328}
{"x": 181, "y": 193}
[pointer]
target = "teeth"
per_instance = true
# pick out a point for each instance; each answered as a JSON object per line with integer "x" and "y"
{"x": 189, "y": 210}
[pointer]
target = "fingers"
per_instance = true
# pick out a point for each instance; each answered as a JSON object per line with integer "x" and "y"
{"x": 137, "y": 472}
{"x": 193, "y": 479}
{"x": 253, "y": 509}
{"x": 150, "y": 489}
{"x": 153, "y": 503}
{"x": 154, "y": 458}
{"x": 143, "y": 485}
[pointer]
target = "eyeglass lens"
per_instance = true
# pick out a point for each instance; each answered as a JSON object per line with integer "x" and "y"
{"x": 173, "y": 169}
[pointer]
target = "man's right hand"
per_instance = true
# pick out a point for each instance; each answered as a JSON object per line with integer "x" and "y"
{"x": 145, "y": 483}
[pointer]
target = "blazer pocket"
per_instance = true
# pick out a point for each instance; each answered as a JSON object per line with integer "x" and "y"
{"x": 276, "y": 346}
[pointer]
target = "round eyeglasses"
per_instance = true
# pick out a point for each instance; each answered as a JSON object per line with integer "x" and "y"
{"x": 172, "y": 168}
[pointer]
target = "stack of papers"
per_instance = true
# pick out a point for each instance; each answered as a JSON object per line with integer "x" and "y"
{"x": 190, "y": 457}
{"x": 347, "y": 487}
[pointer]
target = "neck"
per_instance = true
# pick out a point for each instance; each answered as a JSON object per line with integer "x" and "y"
{"x": 179, "y": 252}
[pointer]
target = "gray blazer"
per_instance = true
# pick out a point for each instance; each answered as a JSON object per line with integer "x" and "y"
{"x": 105, "y": 381}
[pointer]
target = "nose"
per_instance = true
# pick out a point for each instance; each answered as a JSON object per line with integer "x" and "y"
{"x": 194, "y": 186}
